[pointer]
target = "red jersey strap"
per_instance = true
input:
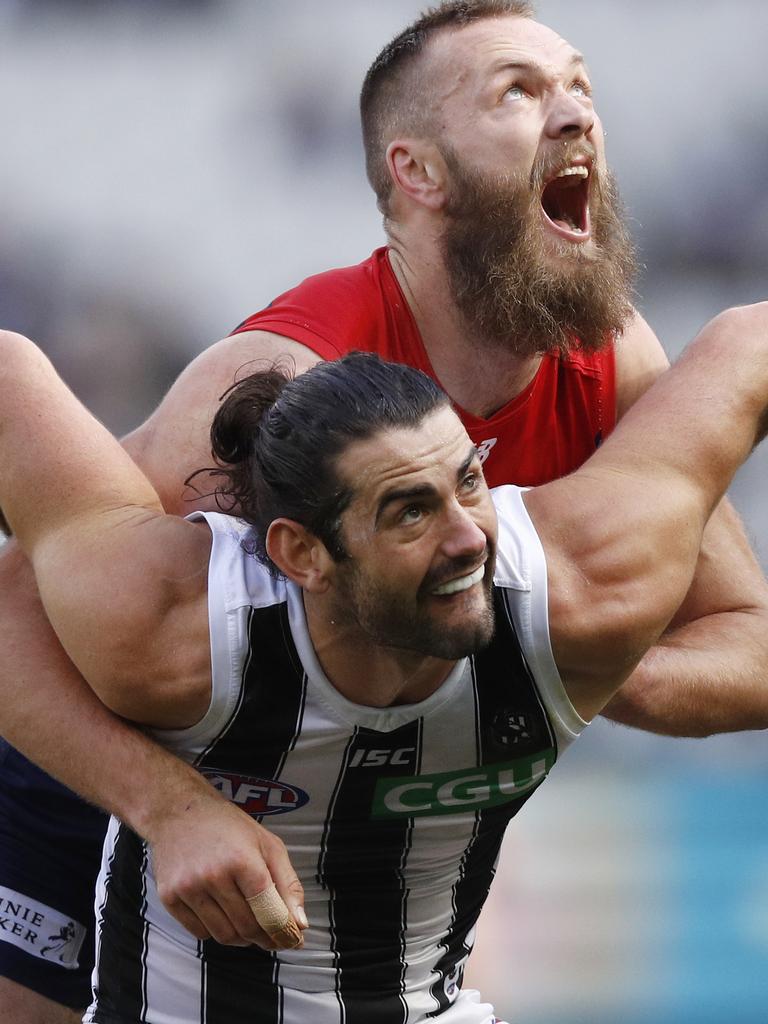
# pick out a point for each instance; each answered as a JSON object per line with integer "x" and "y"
{"x": 546, "y": 431}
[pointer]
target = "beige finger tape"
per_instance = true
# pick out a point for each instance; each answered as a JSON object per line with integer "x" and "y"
{"x": 272, "y": 914}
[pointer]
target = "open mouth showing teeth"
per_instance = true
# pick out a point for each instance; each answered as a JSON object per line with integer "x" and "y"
{"x": 463, "y": 583}
{"x": 565, "y": 200}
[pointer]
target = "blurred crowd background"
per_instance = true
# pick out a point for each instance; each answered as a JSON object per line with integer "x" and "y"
{"x": 169, "y": 166}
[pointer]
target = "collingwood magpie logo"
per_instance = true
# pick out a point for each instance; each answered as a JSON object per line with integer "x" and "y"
{"x": 510, "y": 728}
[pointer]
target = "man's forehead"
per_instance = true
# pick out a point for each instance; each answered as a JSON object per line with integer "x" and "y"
{"x": 474, "y": 49}
{"x": 402, "y": 457}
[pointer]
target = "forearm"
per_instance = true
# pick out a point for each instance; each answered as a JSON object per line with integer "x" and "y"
{"x": 709, "y": 672}
{"x": 81, "y": 743}
{"x": 705, "y": 677}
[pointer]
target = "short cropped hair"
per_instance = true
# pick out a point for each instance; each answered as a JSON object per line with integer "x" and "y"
{"x": 276, "y": 439}
{"x": 394, "y": 94}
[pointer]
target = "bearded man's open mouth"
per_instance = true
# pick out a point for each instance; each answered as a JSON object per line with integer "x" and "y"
{"x": 565, "y": 201}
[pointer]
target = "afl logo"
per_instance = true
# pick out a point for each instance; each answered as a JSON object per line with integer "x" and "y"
{"x": 257, "y": 796}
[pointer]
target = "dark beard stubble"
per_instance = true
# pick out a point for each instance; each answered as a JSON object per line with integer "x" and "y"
{"x": 521, "y": 295}
{"x": 379, "y": 614}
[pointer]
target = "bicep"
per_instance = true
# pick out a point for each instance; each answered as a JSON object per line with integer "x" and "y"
{"x": 610, "y": 593}
{"x": 130, "y": 610}
{"x": 73, "y": 496}
{"x": 174, "y": 442}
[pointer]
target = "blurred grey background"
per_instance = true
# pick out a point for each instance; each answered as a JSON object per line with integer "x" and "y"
{"x": 169, "y": 167}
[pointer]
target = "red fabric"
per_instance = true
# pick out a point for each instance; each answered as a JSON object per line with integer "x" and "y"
{"x": 543, "y": 433}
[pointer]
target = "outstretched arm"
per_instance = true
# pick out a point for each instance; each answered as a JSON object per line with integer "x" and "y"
{"x": 707, "y": 673}
{"x": 622, "y": 534}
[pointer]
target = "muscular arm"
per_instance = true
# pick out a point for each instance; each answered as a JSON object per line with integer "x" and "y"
{"x": 36, "y": 670}
{"x": 122, "y": 583}
{"x": 707, "y": 673}
{"x": 206, "y": 851}
{"x": 623, "y": 533}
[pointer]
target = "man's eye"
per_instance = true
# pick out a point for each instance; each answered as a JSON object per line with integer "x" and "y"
{"x": 412, "y": 514}
{"x": 581, "y": 89}
{"x": 515, "y": 92}
{"x": 470, "y": 483}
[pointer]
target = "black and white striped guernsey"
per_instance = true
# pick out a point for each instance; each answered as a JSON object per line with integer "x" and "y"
{"x": 392, "y": 817}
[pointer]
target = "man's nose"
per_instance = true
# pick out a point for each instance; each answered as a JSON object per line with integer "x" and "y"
{"x": 569, "y": 117}
{"x": 463, "y": 536}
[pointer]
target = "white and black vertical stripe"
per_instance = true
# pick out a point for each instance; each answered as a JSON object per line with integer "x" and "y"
{"x": 121, "y": 988}
{"x": 504, "y": 689}
{"x": 245, "y": 981}
{"x": 362, "y": 868}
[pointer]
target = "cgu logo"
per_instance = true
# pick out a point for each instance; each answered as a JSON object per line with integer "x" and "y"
{"x": 257, "y": 796}
{"x": 469, "y": 789}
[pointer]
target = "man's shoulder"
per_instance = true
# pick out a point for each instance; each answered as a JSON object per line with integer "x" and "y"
{"x": 331, "y": 305}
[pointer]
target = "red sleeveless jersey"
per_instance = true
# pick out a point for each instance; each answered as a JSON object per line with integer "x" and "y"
{"x": 542, "y": 433}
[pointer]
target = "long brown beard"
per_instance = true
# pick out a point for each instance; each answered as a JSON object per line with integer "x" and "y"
{"x": 515, "y": 292}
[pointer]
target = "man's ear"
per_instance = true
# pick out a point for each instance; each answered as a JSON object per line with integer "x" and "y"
{"x": 299, "y": 555}
{"x": 418, "y": 171}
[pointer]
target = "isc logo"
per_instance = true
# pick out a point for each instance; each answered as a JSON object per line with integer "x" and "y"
{"x": 257, "y": 796}
{"x": 377, "y": 758}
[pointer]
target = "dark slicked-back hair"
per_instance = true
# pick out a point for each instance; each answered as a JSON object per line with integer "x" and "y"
{"x": 395, "y": 96}
{"x": 276, "y": 439}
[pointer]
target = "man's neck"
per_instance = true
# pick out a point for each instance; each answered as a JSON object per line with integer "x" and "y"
{"x": 367, "y": 673}
{"x": 479, "y": 375}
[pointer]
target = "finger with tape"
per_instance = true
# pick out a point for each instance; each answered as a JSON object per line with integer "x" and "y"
{"x": 274, "y": 917}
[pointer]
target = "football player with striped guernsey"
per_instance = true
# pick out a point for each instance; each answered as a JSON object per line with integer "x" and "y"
{"x": 382, "y": 657}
